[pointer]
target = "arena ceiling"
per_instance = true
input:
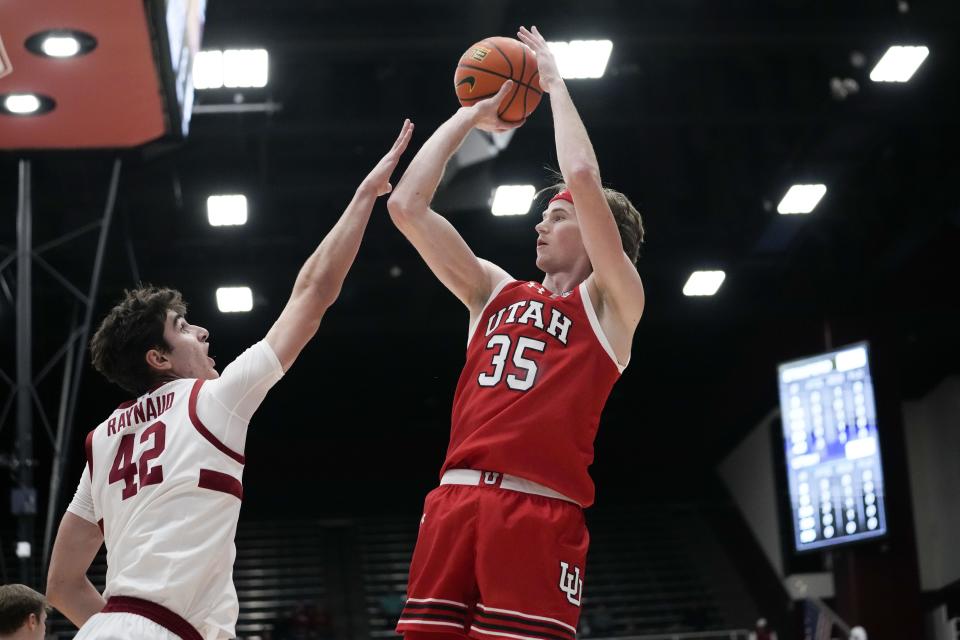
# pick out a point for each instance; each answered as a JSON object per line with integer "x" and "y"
{"x": 707, "y": 113}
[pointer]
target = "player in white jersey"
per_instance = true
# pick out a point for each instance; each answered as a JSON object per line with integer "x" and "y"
{"x": 162, "y": 485}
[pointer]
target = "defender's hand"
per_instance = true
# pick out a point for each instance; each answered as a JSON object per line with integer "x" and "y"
{"x": 546, "y": 62}
{"x": 378, "y": 180}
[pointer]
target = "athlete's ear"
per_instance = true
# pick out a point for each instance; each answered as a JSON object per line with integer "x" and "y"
{"x": 158, "y": 360}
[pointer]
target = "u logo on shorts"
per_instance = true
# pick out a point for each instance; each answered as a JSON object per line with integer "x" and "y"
{"x": 571, "y": 584}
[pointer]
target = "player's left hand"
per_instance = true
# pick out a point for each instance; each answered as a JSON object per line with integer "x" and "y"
{"x": 546, "y": 62}
{"x": 378, "y": 180}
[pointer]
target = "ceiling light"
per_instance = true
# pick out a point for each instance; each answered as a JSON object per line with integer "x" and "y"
{"x": 26, "y": 104}
{"x": 245, "y": 67}
{"x": 22, "y": 103}
{"x": 512, "y": 200}
{"x": 227, "y": 210}
{"x": 232, "y": 68}
{"x": 61, "y": 43}
{"x": 582, "y": 58}
{"x": 234, "y": 299}
{"x": 703, "y": 283}
{"x": 60, "y": 47}
{"x": 801, "y": 198}
{"x": 208, "y": 70}
{"x": 899, "y": 63}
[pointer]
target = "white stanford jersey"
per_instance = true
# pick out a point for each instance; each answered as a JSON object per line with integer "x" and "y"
{"x": 163, "y": 481}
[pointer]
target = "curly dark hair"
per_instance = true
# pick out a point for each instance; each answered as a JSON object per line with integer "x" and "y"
{"x": 17, "y": 602}
{"x": 133, "y": 327}
{"x": 629, "y": 221}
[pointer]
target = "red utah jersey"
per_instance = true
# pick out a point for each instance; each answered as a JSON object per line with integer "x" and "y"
{"x": 528, "y": 402}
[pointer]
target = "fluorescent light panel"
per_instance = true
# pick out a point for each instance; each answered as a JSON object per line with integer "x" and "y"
{"x": 21, "y": 103}
{"x": 582, "y": 58}
{"x": 234, "y": 299}
{"x": 899, "y": 64}
{"x": 227, "y": 210}
{"x": 801, "y": 198}
{"x": 512, "y": 200}
{"x": 208, "y": 70}
{"x": 232, "y": 68}
{"x": 703, "y": 283}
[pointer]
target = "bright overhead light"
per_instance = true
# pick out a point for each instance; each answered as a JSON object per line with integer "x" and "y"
{"x": 512, "y": 200}
{"x": 801, "y": 198}
{"x": 899, "y": 63}
{"x": 227, "y": 210}
{"x": 232, "y": 68}
{"x": 582, "y": 58}
{"x": 703, "y": 283}
{"x": 60, "y": 43}
{"x": 208, "y": 70}
{"x": 234, "y": 299}
{"x": 60, "y": 46}
{"x": 21, "y": 103}
{"x": 245, "y": 68}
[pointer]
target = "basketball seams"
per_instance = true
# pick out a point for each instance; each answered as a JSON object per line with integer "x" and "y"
{"x": 516, "y": 87}
{"x": 530, "y": 88}
{"x": 505, "y": 57}
{"x": 500, "y": 75}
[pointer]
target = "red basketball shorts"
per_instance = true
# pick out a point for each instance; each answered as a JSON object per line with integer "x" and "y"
{"x": 496, "y": 563}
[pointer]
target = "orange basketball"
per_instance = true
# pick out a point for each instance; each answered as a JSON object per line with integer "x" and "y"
{"x": 488, "y": 64}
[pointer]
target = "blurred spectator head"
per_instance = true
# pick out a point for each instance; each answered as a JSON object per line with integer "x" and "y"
{"x": 23, "y": 612}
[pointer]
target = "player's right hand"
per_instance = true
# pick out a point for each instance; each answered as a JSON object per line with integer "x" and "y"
{"x": 484, "y": 112}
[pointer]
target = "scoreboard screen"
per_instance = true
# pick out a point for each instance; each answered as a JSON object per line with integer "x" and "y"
{"x": 177, "y": 29}
{"x": 832, "y": 450}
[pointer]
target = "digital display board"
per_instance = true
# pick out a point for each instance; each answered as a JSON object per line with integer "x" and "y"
{"x": 832, "y": 450}
{"x": 177, "y": 27}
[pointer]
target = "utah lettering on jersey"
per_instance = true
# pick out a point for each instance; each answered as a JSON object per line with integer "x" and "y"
{"x": 143, "y": 411}
{"x": 536, "y": 313}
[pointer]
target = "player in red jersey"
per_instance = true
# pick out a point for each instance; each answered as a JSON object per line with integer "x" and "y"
{"x": 502, "y": 541}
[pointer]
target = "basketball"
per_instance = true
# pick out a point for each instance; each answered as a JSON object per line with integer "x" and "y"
{"x": 486, "y": 65}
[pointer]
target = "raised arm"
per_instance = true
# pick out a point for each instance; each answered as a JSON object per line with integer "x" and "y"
{"x": 321, "y": 277}
{"x": 438, "y": 242}
{"x": 615, "y": 275}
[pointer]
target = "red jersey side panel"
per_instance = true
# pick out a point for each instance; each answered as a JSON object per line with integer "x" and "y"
{"x": 528, "y": 402}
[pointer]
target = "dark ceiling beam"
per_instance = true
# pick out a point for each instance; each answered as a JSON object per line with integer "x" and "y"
{"x": 303, "y": 39}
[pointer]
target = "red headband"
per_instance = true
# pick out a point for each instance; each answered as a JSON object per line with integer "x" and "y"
{"x": 563, "y": 195}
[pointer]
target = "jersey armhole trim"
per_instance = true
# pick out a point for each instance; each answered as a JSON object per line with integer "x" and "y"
{"x": 200, "y": 427}
{"x": 493, "y": 294}
{"x": 597, "y": 329}
{"x": 88, "y": 452}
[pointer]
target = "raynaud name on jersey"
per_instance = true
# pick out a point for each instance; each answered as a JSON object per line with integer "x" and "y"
{"x": 559, "y": 325}
{"x": 143, "y": 411}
